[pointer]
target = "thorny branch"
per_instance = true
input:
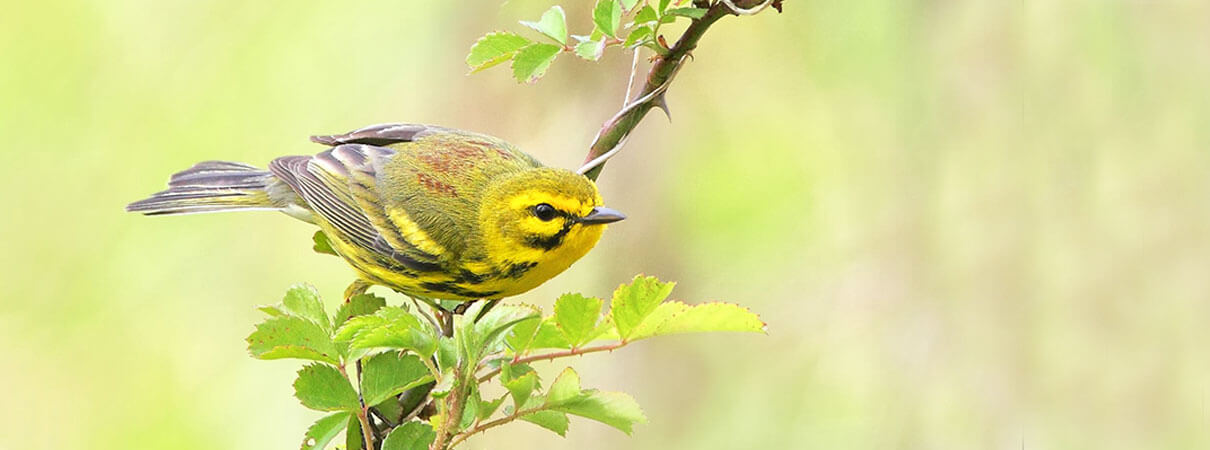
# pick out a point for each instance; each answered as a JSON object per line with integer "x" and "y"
{"x": 612, "y": 136}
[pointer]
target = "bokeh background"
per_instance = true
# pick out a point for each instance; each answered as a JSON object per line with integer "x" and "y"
{"x": 976, "y": 224}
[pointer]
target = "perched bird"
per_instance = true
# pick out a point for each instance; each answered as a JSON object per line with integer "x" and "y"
{"x": 430, "y": 212}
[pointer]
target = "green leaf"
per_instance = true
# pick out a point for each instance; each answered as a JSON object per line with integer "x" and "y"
{"x": 533, "y": 60}
{"x": 553, "y": 24}
{"x": 629, "y": 4}
{"x": 577, "y": 317}
{"x": 646, "y": 15}
{"x": 607, "y": 15}
{"x": 615, "y": 409}
{"x": 521, "y": 387}
{"x": 493, "y": 327}
{"x": 549, "y": 336}
{"x": 324, "y": 430}
{"x": 271, "y": 310}
{"x": 522, "y": 335}
{"x": 292, "y": 337}
{"x": 323, "y": 388}
{"x": 470, "y": 409}
{"x": 410, "y": 436}
{"x": 590, "y": 50}
{"x": 322, "y": 244}
{"x": 359, "y": 305}
{"x": 638, "y": 36}
{"x": 387, "y": 374}
{"x": 303, "y": 301}
{"x": 677, "y": 317}
{"x": 612, "y": 408}
{"x": 486, "y": 409}
{"x": 353, "y": 437}
{"x": 389, "y": 327}
{"x": 551, "y": 420}
{"x": 391, "y": 408}
{"x": 664, "y": 5}
{"x": 692, "y": 13}
{"x": 493, "y": 49}
{"x": 633, "y": 302}
{"x": 565, "y": 388}
{"x": 447, "y": 354}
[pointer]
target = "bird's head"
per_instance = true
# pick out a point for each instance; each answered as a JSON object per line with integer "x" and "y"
{"x": 545, "y": 218}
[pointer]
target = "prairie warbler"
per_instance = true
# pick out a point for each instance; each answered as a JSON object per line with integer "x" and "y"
{"x": 430, "y": 212}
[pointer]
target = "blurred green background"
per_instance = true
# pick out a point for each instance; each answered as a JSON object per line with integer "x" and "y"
{"x": 968, "y": 224}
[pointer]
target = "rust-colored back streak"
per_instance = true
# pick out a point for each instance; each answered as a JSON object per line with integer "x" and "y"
{"x": 453, "y": 160}
{"x": 435, "y": 186}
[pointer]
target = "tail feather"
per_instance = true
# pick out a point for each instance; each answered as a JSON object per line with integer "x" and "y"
{"x": 211, "y": 186}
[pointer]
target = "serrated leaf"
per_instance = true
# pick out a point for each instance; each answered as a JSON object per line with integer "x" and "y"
{"x": 664, "y": 5}
{"x": 493, "y": 49}
{"x": 615, "y": 409}
{"x": 271, "y": 310}
{"x": 323, "y": 388}
{"x": 646, "y": 15}
{"x": 486, "y": 409}
{"x": 533, "y": 60}
{"x": 633, "y": 302}
{"x": 292, "y": 337}
{"x": 410, "y": 436}
{"x": 551, "y": 420}
{"x": 303, "y": 301}
{"x": 629, "y": 4}
{"x": 553, "y": 24}
{"x": 322, "y": 244}
{"x": 522, "y": 335}
{"x": 577, "y": 317}
{"x": 387, "y": 374}
{"x": 359, "y": 305}
{"x": 638, "y": 36}
{"x": 493, "y": 327}
{"x": 607, "y": 15}
{"x": 521, "y": 387}
{"x": 692, "y": 13}
{"x": 389, "y": 327}
{"x": 677, "y": 317}
{"x": 324, "y": 430}
{"x": 510, "y": 371}
{"x": 590, "y": 50}
{"x": 549, "y": 336}
{"x": 565, "y": 388}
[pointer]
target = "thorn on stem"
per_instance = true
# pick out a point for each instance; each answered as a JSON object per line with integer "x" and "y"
{"x": 662, "y": 103}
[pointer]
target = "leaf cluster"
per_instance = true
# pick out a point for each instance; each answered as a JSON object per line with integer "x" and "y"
{"x": 629, "y": 24}
{"x": 367, "y": 360}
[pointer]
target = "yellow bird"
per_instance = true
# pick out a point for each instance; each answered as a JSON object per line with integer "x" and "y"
{"x": 430, "y": 212}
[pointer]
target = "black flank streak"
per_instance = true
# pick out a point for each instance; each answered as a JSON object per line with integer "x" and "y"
{"x": 452, "y": 288}
{"x": 518, "y": 270}
{"x": 471, "y": 277}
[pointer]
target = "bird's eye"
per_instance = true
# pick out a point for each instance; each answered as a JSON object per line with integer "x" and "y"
{"x": 544, "y": 212}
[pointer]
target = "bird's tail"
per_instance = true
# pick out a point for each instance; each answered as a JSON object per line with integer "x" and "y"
{"x": 211, "y": 186}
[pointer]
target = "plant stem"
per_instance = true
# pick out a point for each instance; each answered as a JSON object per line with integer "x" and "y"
{"x": 366, "y": 432}
{"x": 453, "y": 412}
{"x": 617, "y": 128}
{"x": 495, "y": 423}
{"x": 562, "y": 354}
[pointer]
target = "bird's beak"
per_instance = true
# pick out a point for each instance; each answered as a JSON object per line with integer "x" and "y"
{"x": 602, "y": 215}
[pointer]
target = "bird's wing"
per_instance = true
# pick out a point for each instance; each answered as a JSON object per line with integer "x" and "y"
{"x": 339, "y": 185}
{"x": 379, "y": 135}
